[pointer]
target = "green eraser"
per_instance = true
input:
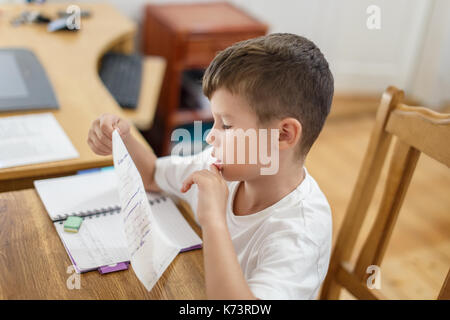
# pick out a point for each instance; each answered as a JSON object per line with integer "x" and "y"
{"x": 72, "y": 224}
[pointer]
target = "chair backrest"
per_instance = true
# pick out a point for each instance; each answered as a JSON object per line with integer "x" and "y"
{"x": 417, "y": 130}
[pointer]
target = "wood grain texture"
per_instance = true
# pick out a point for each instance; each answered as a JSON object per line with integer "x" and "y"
{"x": 198, "y": 19}
{"x": 445, "y": 291}
{"x": 70, "y": 60}
{"x": 402, "y": 166}
{"x": 423, "y": 129}
{"x": 34, "y": 263}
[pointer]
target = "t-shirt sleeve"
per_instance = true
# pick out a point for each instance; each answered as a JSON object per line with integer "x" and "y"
{"x": 171, "y": 171}
{"x": 287, "y": 268}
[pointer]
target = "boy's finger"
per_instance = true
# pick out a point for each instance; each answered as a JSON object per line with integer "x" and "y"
{"x": 213, "y": 168}
{"x": 106, "y": 125}
{"x": 102, "y": 138}
{"x": 99, "y": 146}
{"x": 189, "y": 181}
{"x": 186, "y": 185}
{"x": 121, "y": 126}
{"x": 95, "y": 149}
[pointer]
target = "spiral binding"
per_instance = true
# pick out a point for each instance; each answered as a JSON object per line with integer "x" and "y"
{"x": 102, "y": 211}
{"x": 157, "y": 200}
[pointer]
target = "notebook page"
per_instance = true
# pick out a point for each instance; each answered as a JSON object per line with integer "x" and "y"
{"x": 172, "y": 222}
{"x": 100, "y": 241}
{"x": 79, "y": 193}
{"x": 33, "y": 138}
{"x": 151, "y": 251}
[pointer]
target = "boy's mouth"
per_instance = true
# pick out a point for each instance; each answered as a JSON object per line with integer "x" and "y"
{"x": 219, "y": 165}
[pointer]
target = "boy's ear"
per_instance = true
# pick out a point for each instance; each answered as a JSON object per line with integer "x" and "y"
{"x": 290, "y": 133}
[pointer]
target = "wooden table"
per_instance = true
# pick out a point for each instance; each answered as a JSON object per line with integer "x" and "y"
{"x": 34, "y": 263}
{"x": 71, "y": 60}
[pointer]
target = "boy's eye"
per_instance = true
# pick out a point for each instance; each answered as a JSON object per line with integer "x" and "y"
{"x": 225, "y": 127}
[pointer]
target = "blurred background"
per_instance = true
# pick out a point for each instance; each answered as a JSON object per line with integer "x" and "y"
{"x": 405, "y": 43}
{"x": 411, "y": 50}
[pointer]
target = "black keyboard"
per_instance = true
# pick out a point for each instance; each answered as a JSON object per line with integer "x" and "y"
{"x": 122, "y": 75}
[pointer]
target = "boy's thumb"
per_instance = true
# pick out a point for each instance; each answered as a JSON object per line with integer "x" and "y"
{"x": 121, "y": 127}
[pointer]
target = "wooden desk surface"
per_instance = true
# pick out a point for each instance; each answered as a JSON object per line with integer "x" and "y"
{"x": 34, "y": 263}
{"x": 71, "y": 62}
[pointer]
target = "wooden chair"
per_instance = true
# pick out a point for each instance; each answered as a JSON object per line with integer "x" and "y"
{"x": 153, "y": 69}
{"x": 417, "y": 130}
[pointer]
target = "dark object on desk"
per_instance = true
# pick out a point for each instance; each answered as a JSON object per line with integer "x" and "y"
{"x": 23, "y": 82}
{"x": 62, "y": 24}
{"x": 83, "y": 14}
{"x": 68, "y": 20}
{"x": 30, "y": 17}
{"x": 122, "y": 75}
{"x": 42, "y": 19}
{"x": 191, "y": 96}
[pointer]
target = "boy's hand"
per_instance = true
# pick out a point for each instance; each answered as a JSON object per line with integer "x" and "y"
{"x": 100, "y": 133}
{"x": 212, "y": 197}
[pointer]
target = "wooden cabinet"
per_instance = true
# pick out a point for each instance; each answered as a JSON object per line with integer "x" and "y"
{"x": 188, "y": 36}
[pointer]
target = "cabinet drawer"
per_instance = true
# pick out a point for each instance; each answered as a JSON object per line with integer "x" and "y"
{"x": 201, "y": 50}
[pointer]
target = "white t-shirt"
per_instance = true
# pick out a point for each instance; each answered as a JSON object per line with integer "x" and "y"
{"x": 283, "y": 250}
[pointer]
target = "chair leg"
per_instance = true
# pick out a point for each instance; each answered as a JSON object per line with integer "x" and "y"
{"x": 445, "y": 290}
{"x": 331, "y": 290}
{"x": 403, "y": 163}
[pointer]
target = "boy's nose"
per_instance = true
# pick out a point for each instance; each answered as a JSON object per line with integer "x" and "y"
{"x": 212, "y": 138}
{"x": 209, "y": 138}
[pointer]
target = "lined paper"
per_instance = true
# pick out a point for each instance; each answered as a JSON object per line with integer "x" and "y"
{"x": 150, "y": 250}
{"x": 100, "y": 241}
{"x": 172, "y": 222}
{"x": 78, "y": 194}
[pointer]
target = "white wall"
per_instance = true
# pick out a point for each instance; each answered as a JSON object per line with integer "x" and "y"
{"x": 411, "y": 50}
{"x": 432, "y": 79}
{"x": 362, "y": 60}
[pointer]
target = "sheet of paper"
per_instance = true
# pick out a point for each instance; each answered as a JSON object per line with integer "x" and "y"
{"x": 150, "y": 250}
{"x": 172, "y": 223}
{"x": 78, "y": 193}
{"x": 33, "y": 138}
{"x": 99, "y": 242}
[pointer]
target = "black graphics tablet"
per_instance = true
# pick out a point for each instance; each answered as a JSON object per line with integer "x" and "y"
{"x": 23, "y": 82}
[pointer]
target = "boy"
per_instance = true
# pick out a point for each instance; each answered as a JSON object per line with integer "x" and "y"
{"x": 265, "y": 236}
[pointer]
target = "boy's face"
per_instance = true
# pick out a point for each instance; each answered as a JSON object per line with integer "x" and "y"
{"x": 239, "y": 145}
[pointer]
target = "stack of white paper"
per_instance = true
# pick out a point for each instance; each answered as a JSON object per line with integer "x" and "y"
{"x": 33, "y": 138}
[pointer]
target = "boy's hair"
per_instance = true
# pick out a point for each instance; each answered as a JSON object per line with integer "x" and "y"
{"x": 280, "y": 75}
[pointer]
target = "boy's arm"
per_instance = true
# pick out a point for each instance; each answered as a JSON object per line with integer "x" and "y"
{"x": 145, "y": 161}
{"x": 171, "y": 171}
{"x": 100, "y": 141}
{"x": 223, "y": 275}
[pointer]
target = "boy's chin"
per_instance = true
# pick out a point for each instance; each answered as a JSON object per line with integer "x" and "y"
{"x": 237, "y": 172}
{"x": 227, "y": 175}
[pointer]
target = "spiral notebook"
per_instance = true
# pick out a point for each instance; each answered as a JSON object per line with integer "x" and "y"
{"x": 100, "y": 242}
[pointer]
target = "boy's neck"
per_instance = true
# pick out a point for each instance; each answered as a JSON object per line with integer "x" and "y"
{"x": 255, "y": 195}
